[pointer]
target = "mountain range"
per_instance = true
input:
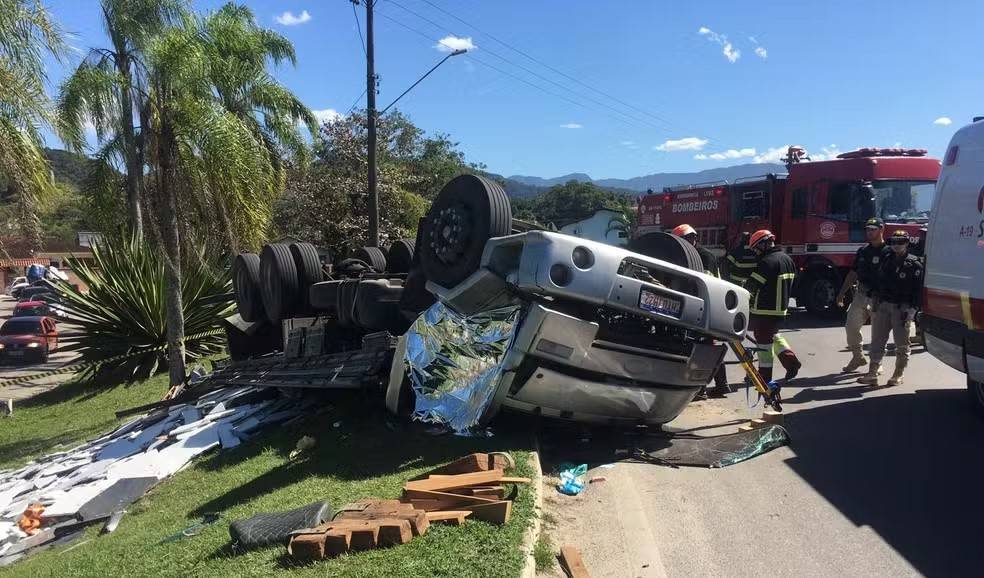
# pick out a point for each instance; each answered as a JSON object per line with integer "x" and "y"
{"x": 521, "y": 186}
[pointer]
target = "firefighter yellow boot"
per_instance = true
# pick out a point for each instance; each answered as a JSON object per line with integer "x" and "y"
{"x": 858, "y": 360}
{"x": 871, "y": 378}
{"x": 896, "y": 378}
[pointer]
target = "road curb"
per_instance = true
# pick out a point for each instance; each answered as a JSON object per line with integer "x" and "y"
{"x": 533, "y": 532}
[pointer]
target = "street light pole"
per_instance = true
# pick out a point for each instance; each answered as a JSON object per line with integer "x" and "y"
{"x": 371, "y": 128}
{"x": 421, "y": 79}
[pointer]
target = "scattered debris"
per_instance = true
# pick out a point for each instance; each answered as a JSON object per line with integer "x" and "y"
{"x": 714, "y": 451}
{"x": 6, "y": 407}
{"x": 572, "y": 563}
{"x": 572, "y": 479}
{"x": 277, "y": 527}
{"x": 193, "y": 530}
{"x": 597, "y": 479}
{"x": 96, "y": 481}
{"x": 769, "y": 417}
{"x": 304, "y": 444}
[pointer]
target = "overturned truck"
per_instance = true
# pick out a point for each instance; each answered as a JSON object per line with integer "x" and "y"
{"x": 483, "y": 312}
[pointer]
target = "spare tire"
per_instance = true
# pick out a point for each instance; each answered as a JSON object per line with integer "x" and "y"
{"x": 278, "y": 281}
{"x": 246, "y": 286}
{"x": 374, "y": 256}
{"x": 309, "y": 270}
{"x": 669, "y": 248}
{"x": 467, "y": 212}
{"x": 400, "y": 256}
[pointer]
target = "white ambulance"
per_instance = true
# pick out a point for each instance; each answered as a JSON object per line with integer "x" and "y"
{"x": 953, "y": 299}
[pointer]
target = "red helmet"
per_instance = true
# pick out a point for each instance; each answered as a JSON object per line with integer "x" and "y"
{"x": 684, "y": 230}
{"x": 759, "y": 236}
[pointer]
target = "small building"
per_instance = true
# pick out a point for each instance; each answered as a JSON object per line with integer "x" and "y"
{"x": 17, "y": 257}
{"x": 605, "y": 226}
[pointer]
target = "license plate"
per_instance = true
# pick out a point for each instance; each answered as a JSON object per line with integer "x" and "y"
{"x": 649, "y": 301}
{"x": 16, "y": 353}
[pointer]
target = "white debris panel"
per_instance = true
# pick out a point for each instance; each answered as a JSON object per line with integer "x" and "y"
{"x": 77, "y": 486}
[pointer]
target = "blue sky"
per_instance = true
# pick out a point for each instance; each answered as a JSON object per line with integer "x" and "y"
{"x": 624, "y": 88}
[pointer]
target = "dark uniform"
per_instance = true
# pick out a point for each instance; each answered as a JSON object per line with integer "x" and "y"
{"x": 709, "y": 261}
{"x": 770, "y": 285}
{"x": 896, "y": 297}
{"x": 740, "y": 263}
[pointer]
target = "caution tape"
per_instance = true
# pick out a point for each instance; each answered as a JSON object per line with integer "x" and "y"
{"x": 80, "y": 366}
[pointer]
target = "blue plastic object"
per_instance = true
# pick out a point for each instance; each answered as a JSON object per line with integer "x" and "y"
{"x": 572, "y": 479}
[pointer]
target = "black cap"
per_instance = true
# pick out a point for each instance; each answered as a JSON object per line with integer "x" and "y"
{"x": 874, "y": 223}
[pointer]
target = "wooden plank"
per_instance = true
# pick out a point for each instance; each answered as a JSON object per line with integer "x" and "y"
{"x": 573, "y": 564}
{"x": 478, "y": 462}
{"x": 496, "y": 493}
{"x": 436, "y": 505}
{"x": 393, "y": 532}
{"x": 440, "y": 484}
{"x": 337, "y": 542}
{"x": 409, "y": 495}
{"x": 450, "y": 517}
{"x": 498, "y": 462}
{"x": 393, "y": 509}
{"x": 365, "y": 537}
{"x": 514, "y": 480}
{"x": 307, "y": 547}
{"x": 494, "y": 513}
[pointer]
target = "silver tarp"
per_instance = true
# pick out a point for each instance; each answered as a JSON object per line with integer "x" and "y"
{"x": 455, "y": 362}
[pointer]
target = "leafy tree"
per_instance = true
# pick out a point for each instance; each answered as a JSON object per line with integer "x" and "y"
{"x": 109, "y": 88}
{"x": 328, "y": 205}
{"x": 571, "y": 201}
{"x": 27, "y": 32}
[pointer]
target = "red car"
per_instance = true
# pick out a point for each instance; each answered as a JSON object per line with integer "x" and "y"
{"x": 31, "y": 309}
{"x": 28, "y": 339}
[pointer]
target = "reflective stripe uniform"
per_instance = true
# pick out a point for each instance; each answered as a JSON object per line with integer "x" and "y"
{"x": 741, "y": 262}
{"x": 770, "y": 285}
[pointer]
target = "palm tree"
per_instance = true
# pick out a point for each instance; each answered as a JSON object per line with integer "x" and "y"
{"x": 26, "y": 33}
{"x": 204, "y": 152}
{"x": 108, "y": 89}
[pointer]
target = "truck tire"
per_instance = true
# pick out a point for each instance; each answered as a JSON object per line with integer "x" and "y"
{"x": 246, "y": 287}
{"x": 669, "y": 248}
{"x": 278, "y": 281}
{"x": 400, "y": 257}
{"x": 820, "y": 293}
{"x": 467, "y": 212}
{"x": 308, "y": 266}
{"x": 374, "y": 256}
{"x": 976, "y": 391}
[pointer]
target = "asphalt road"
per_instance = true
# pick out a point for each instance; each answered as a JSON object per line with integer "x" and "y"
{"x": 56, "y": 360}
{"x": 877, "y": 482}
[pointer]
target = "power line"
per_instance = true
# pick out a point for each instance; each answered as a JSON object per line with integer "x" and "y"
{"x": 535, "y": 74}
{"x": 556, "y": 70}
{"x": 358, "y": 26}
{"x": 351, "y": 108}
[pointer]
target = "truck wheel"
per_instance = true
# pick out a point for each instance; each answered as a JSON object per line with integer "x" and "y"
{"x": 278, "y": 281}
{"x": 374, "y": 256}
{"x": 246, "y": 286}
{"x": 309, "y": 271}
{"x": 669, "y": 248}
{"x": 820, "y": 294}
{"x": 467, "y": 212}
{"x": 400, "y": 257}
{"x": 976, "y": 391}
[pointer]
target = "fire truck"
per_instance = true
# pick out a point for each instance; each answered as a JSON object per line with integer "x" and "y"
{"x": 817, "y": 210}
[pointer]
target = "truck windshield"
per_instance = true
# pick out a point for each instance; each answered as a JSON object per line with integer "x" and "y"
{"x": 904, "y": 200}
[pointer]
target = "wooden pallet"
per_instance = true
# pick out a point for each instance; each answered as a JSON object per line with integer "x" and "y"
{"x": 364, "y": 525}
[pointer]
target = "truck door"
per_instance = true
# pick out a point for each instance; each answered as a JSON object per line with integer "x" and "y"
{"x": 752, "y": 205}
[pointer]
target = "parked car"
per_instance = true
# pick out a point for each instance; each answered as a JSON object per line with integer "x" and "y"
{"x": 17, "y": 283}
{"x": 31, "y": 309}
{"x": 31, "y": 293}
{"x": 953, "y": 300}
{"x": 53, "y": 301}
{"x": 29, "y": 339}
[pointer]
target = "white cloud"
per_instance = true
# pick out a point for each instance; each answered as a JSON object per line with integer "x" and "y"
{"x": 728, "y": 154}
{"x": 571, "y": 125}
{"x": 452, "y": 43}
{"x": 690, "y": 143}
{"x": 729, "y": 51}
{"x": 327, "y": 115}
{"x": 289, "y": 19}
{"x": 778, "y": 154}
{"x": 753, "y": 40}
{"x": 772, "y": 155}
{"x": 943, "y": 121}
{"x": 761, "y": 52}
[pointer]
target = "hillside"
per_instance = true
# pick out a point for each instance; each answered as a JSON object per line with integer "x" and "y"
{"x": 68, "y": 168}
{"x": 521, "y": 186}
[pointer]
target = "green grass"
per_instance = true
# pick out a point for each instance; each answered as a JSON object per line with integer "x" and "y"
{"x": 370, "y": 455}
{"x": 543, "y": 553}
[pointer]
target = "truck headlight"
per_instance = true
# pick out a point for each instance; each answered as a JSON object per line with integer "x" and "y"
{"x": 561, "y": 275}
{"x": 583, "y": 258}
{"x": 34, "y": 345}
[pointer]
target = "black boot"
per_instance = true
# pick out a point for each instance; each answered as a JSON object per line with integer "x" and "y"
{"x": 721, "y": 387}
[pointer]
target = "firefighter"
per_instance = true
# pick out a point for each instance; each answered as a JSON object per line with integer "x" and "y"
{"x": 895, "y": 300}
{"x": 770, "y": 286}
{"x": 867, "y": 262}
{"x": 707, "y": 259}
{"x": 709, "y": 262}
{"x": 741, "y": 261}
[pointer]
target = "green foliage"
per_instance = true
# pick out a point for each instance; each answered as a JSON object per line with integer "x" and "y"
{"x": 124, "y": 310}
{"x": 328, "y": 205}
{"x": 570, "y": 202}
{"x": 544, "y": 554}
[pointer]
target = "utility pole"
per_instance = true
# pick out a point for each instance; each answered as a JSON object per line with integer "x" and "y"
{"x": 371, "y": 129}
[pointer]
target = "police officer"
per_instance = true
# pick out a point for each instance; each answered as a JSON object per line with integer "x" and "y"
{"x": 710, "y": 264}
{"x": 770, "y": 286}
{"x": 895, "y": 299}
{"x": 707, "y": 259}
{"x": 741, "y": 261}
{"x": 867, "y": 262}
